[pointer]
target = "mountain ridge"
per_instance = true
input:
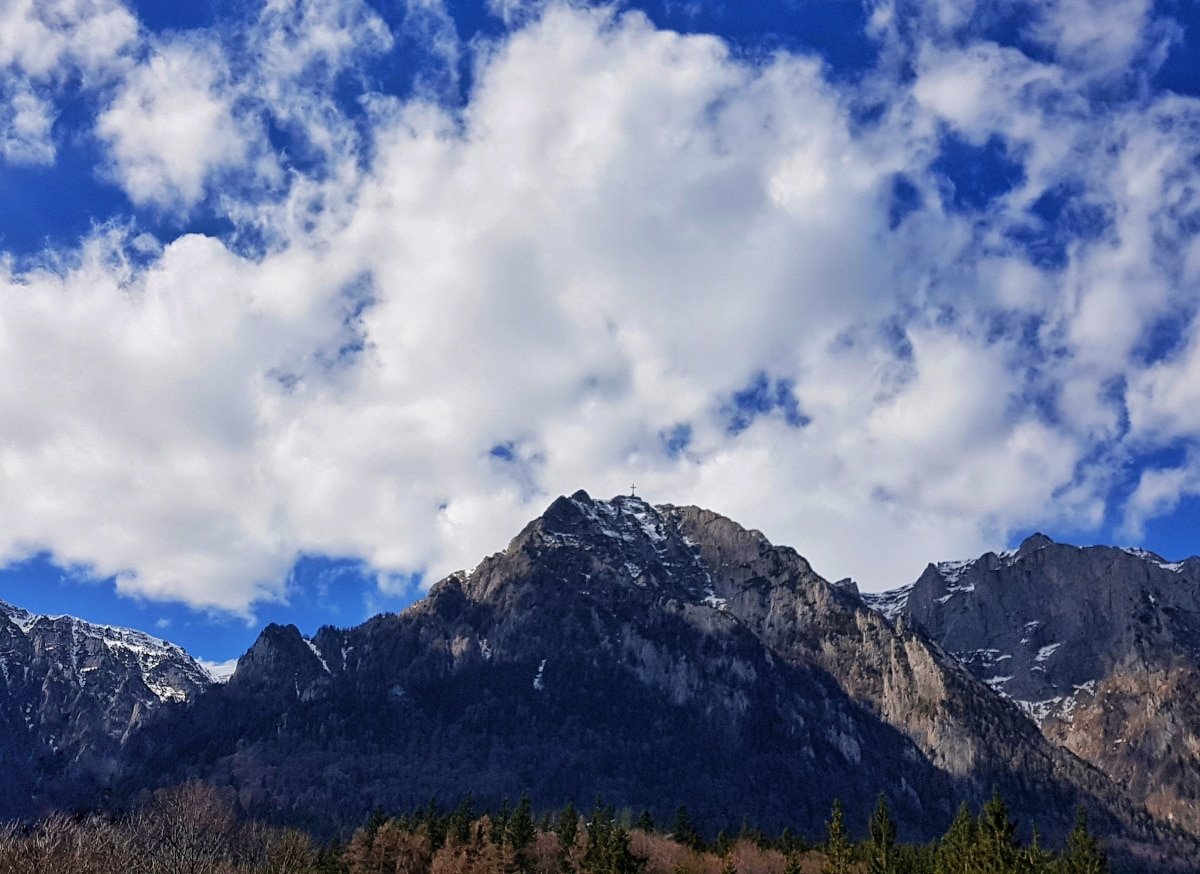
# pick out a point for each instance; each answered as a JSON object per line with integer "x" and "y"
{"x": 648, "y": 655}
{"x": 73, "y": 694}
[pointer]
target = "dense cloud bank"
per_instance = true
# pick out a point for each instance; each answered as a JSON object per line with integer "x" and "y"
{"x": 885, "y": 317}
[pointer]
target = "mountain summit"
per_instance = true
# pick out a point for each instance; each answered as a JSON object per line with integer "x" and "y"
{"x": 1099, "y": 645}
{"x": 649, "y": 655}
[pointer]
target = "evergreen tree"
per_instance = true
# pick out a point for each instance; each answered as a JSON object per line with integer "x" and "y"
{"x": 881, "y": 851}
{"x": 957, "y": 849}
{"x": 723, "y": 844}
{"x": 727, "y": 867}
{"x": 375, "y": 821}
{"x": 499, "y": 830}
{"x": 613, "y": 855}
{"x": 521, "y": 831}
{"x": 1083, "y": 855}
{"x": 645, "y": 821}
{"x": 793, "y": 865}
{"x": 998, "y": 847}
{"x": 435, "y": 824}
{"x": 567, "y": 827}
{"x": 461, "y": 819}
{"x": 1035, "y": 858}
{"x": 838, "y": 853}
{"x": 685, "y": 831}
{"x": 608, "y": 847}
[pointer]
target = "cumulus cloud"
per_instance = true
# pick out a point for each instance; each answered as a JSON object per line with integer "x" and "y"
{"x": 172, "y": 124}
{"x": 42, "y": 46}
{"x": 48, "y": 39}
{"x": 628, "y": 253}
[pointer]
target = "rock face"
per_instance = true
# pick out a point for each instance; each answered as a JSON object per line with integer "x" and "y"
{"x": 71, "y": 693}
{"x": 1100, "y": 646}
{"x": 647, "y": 655}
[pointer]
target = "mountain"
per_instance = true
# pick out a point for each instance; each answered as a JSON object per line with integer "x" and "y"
{"x": 1100, "y": 646}
{"x": 71, "y": 694}
{"x": 647, "y": 655}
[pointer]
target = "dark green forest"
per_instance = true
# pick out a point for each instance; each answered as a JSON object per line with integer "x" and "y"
{"x": 194, "y": 828}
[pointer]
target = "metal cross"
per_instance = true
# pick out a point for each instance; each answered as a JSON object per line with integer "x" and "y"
{"x": 633, "y": 491}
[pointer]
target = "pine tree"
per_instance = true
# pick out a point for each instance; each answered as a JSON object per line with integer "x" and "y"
{"x": 998, "y": 848}
{"x": 521, "y": 831}
{"x": 785, "y": 841}
{"x": 461, "y": 819}
{"x": 957, "y": 849}
{"x": 723, "y": 843}
{"x": 375, "y": 821}
{"x": 1083, "y": 855}
{"x": 499, "y": 830}
{"x": 645, "y": 822}
{"x": 685, "y": 831}
{"x": 838, "y": 854}
{"x": 567, "y": 829}
{"x": 1035, "y": 858}
{"x": 793, "y": 864}
{"x": 435, "y": 824}
{"x": 881, "y": 851}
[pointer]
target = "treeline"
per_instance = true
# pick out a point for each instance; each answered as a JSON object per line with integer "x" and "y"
{"x": 192, "y": 828}
{"x": 510, "y": 840}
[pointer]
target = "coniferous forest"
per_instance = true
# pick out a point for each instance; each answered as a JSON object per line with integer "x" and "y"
{"x": 194, "y": 828}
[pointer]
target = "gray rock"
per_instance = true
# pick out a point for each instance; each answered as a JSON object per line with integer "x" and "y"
{"x": 1099, "y": 646}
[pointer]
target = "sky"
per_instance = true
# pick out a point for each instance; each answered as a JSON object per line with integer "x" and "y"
{"x": 304, "y": 305}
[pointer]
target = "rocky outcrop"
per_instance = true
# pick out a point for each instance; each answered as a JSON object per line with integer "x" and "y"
{"x": 1099, "y": 646}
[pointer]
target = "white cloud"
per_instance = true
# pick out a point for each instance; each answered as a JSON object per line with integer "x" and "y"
{"x": 43, "y": 44}
{"x": 25, "y": 127}
{"x": 46, "y": 39}
{"x": 620, "y": 230}
{"x": 1098, "y": 36}
{"x": 173, "y": 123}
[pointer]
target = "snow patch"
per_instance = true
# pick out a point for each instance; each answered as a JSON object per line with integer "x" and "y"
{"x": 1154, "y": 558}
{"x": 539, "y": 682}
{"x": 1040, "y": 711}
{"x": 220, "y": 672}
{"x": 317, "y": 653}
{"x": 985, "y": 657}
{"x": 952, "y": 571}
{"x": 1046, "y": 651}
{"x": 891, "y": 603}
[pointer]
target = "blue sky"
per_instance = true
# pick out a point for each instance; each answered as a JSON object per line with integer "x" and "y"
{"x": 303, "y": 305}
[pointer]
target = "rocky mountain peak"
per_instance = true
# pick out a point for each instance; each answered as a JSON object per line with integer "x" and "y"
{"x": 281, "y": 659}
{"x": 71, "y": 694}
{"x": 1099, "y": 646}
{"x": 1033, "y": 543}
{"x": 75, "y": 648}
{"x": 624, "y": 518}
